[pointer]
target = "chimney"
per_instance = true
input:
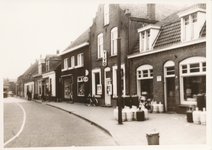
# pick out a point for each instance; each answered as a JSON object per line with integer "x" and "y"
{"x": 151, "y": 11}
{"x": 57, "y": 51}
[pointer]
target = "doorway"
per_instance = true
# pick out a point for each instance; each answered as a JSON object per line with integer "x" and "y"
{"x": 170, "y": 94}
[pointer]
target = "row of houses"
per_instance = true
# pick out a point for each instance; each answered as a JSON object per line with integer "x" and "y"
{"x": 163, "y": 56}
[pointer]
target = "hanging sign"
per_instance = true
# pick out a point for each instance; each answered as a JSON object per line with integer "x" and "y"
{"x": 104, "y": 58}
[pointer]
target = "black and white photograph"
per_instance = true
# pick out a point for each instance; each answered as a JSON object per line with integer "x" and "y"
{"x": 105, "y": 74}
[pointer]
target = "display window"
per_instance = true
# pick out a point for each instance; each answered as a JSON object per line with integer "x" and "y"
{"x": 81, "y": 86}
{"x": 67, "y": 82}
{"x": 192, "y": 79}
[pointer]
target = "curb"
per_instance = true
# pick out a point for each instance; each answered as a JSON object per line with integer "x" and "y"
{"x": 92, "y": 123}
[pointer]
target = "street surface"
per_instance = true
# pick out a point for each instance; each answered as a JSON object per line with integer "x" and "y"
{"x": 37, "y": 125}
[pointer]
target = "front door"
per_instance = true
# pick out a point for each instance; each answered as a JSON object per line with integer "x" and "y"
{"x": 170, "y": 86}
{"x": 108, "y": 91}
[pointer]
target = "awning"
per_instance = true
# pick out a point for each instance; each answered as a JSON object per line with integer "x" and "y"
{"x": 66, "y": 75}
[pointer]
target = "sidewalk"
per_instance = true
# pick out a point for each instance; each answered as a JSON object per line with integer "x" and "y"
{"x": 173, "y": 128}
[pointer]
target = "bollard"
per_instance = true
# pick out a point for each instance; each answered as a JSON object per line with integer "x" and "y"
{"x": 153, "y": 137}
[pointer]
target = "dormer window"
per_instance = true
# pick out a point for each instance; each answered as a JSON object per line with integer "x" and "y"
{"x": 192, "y": 22}
{"x": 147, "y": 37}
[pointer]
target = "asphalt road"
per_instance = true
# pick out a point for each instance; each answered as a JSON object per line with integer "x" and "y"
{"x": 37, "y": 125}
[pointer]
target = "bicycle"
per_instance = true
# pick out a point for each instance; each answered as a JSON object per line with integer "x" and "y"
{"x": 91, "y": 101}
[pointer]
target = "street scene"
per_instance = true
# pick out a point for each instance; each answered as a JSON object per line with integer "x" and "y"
{"x": 134, "y": 76}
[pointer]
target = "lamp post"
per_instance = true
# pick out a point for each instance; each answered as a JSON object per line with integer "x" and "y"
{"x": 119, "y": 90}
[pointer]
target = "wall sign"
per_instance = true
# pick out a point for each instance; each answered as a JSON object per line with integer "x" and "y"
{"x": 158, "y": 78}
{"x": 104, "y": 58}
{"x": 99, "y": 89}
{"x": 85, "y": 79}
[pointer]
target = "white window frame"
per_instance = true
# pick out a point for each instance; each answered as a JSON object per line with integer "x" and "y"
{"x": 93, "y": 81}
{"x": 79, "y": 80}
{"x": 80, "y": 60}
{"x": 72, "y": 62}
{"x": 114, "y": 37}
{"x": 65, "y": 64}
{"x": 188, "y": 62}
{"x": 106, "y": 14}
{"x": 115, "y": 80}
{"x": 100, "y": 45}
{"x": 140, "y": 74}
{"x": 145, "y": 40}
{"x": 47, "y": 65}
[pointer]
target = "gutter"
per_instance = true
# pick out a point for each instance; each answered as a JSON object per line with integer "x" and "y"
{"x": 168, "y": 48}
{"x": 74, "y": 48}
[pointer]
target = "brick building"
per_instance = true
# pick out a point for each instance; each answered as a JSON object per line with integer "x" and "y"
{"x": 75, "y": 72}
{"x": 112, "y": 20}
{"x": 169, "y": 61}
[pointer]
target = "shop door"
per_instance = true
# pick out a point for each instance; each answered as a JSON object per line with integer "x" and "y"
{"x": 170, "y": 86}
{"x": 108, "y": 91}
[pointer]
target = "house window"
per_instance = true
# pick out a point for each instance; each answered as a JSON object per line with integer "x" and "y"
{"x": 190, "y": 26}
{"x": 145, "y": 73}
{"x": 80, "y": 86}
{"x": 80, "y": 60}
{"x": 100, "y": 45}
{"x": 192, "y": 79}
{"x": 170, "y": 71}
{"x": 114, "y": 36}
{"x": 72, "y": 62}
{"x": 66, "y": 63}
{"x": 106, "y": 14}
{"x": 145, "y": 41}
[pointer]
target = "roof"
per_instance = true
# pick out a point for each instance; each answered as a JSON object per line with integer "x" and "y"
{"x": 140, "y": 10}
{"x": 53, "y": 57}
{"x": 32, "y": 70}
{"x": 84, "y": 37}
{"x": 170, "y": 32}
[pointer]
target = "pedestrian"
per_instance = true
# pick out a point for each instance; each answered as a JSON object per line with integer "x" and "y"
{"x": 28, "y": 94}
{"x": 71, "y": 97}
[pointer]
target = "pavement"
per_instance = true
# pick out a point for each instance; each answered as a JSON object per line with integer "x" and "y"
{"x": 173, "y": 128}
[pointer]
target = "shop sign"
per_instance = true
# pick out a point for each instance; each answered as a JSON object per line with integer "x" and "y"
{"x": 158, "y": 78}
{"x": 85, "y": 79}
{"x": 104, "y": 58}
{"x": 99, "y": 89}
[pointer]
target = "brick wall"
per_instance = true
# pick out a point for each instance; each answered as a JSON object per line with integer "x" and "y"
{"x": 157, "y": 61}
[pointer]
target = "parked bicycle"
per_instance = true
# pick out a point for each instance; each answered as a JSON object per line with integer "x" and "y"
{"x": 91, "y": 101}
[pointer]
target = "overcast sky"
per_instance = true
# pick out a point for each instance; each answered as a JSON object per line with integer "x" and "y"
{"x": 30, "y": 28}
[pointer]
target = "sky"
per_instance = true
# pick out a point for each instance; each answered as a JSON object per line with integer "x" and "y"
{"x": 30, "y": 28}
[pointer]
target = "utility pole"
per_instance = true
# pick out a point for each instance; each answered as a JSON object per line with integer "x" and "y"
{"x": 119, "y": 90}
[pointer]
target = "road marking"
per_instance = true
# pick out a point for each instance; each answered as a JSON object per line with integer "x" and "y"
{"x": 22, "y": 126}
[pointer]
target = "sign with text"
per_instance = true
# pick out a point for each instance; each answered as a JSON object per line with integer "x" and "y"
{"x": 104, "y": 58}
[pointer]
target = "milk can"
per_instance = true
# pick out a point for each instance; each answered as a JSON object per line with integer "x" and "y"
{"x": 140, "y": 115}
{"x": 203, "y": 117}
{"x": 189, "y": 114}
{"x": 146, "y": 115}
{"x": 115, "y": 113}
{"x": 160, "y": 107}
{"x": 155, "y": 107}
{"x": 196, "y": 116}
{"x": 124, "y": 114}
{"x": 134, "y": 109}
{"x": 129, "y": 114}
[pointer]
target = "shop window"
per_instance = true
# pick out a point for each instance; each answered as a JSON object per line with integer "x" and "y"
{"x": 81, "y": 86}
{"x": 67, "y": 82}
{"x": 193, "y": 86}
{"x": 192, "y": 79}
{"x": 146, "y": 88}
